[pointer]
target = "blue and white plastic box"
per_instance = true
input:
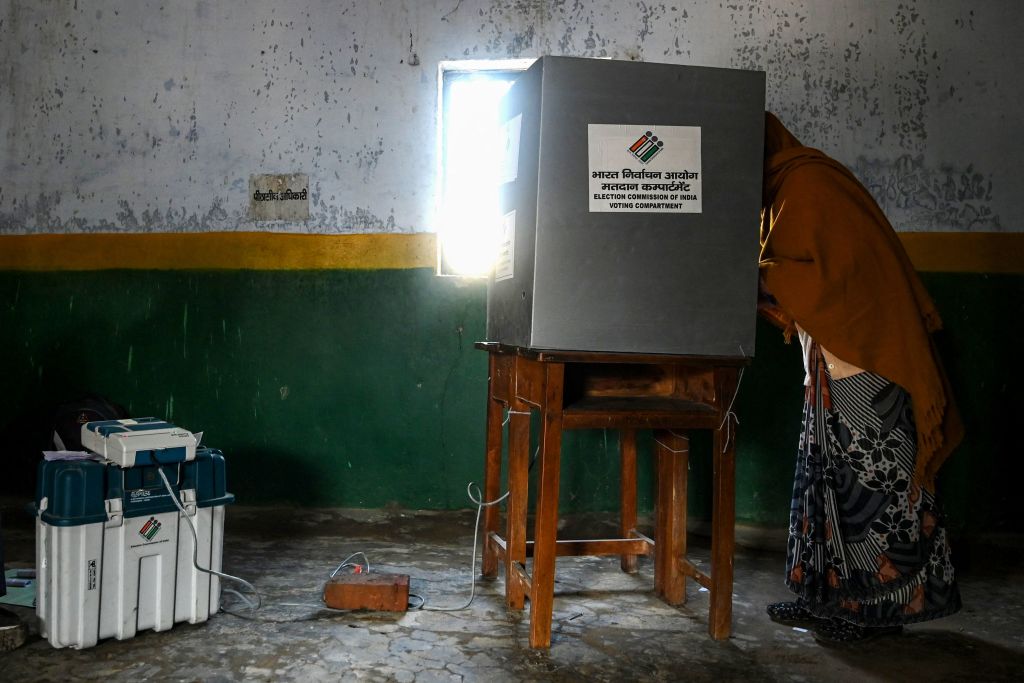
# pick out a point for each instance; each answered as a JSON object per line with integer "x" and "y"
{"x": 114, "y": 554}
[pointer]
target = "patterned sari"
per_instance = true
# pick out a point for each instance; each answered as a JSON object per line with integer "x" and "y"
{"x": 866, "y": 544}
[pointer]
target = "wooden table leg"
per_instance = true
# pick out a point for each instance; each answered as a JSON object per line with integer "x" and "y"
{"x": 546, "y": 520}
{"x": 627, "y": 493}
{"x": 516, "y": 508}
{"x": 723, "y": 523}
{"x": 671, "y": 461}
{"x": 492, "y": 478}
{"x": 723, "y": 515}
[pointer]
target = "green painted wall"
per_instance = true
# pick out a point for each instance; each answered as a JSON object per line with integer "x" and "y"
{"x": 362, "y": 388}
{"x": 356, "y": 388}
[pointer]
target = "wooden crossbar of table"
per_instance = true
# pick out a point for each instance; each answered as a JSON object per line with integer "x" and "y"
{"x": 584, "y": 390}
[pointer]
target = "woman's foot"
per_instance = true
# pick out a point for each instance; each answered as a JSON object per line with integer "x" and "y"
{"x": 792, "y": 614}
{"x": 839, "y": 632}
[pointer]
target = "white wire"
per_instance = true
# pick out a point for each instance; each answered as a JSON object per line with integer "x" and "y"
{"x": 510, "y": 413}
{"x": 726, "y": 422}
{"x": 345, "y": 563}
{"x": 480, "y": 505}
{"x": 678, "y": 436}
{"x": 195, "y": 551}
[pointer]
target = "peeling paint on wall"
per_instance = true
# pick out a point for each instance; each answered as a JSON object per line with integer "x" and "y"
{"x": 960, "y": 199}
{"x": 135, "y": 118}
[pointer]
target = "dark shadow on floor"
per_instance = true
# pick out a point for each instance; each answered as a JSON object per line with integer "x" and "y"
{"x": 958, "y": 656}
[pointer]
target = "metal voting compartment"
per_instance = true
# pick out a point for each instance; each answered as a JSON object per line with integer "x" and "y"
{"x": 630, "y": 196}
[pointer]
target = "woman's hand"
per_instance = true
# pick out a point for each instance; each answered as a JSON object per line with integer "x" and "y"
{"x": 768, "y": 307}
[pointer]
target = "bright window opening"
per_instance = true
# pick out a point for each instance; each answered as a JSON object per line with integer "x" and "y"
{"x": 470, "y": 158}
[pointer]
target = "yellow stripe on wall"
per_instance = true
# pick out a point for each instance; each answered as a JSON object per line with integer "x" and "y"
{"x": 974, "y": 252}
{"x": 217, "y": 251}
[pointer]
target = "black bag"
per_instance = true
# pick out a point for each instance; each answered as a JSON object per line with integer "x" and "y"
{"x": 69, "y": 418}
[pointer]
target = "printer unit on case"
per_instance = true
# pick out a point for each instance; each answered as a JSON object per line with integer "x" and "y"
{"x": 139, "y": 441}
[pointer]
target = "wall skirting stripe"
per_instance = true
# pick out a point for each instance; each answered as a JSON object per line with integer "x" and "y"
{"x": 971, "y": 252}
{"x": 217, "y": 251}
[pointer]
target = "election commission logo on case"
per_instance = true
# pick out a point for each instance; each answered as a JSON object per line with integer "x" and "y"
{"x": 646, "y": 147}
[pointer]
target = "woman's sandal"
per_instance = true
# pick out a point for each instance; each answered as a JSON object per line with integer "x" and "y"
{"x": 792, "y": 614}
{"x": 840, "y": 632}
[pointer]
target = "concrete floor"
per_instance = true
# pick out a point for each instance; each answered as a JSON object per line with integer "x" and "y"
{"x": 608, "y": 626}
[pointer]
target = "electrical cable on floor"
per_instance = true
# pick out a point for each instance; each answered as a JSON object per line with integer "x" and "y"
{"x": 476, "y": 498}
{"x": 252, "y": 606}
{"x": 480, "y": 505}
{"x": 347, "y": 563}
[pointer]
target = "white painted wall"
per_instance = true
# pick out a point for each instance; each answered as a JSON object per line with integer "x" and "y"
{"x": 148, "y": 116}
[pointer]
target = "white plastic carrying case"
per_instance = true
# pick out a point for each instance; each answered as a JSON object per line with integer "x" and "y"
{"x": 113, "y": 552}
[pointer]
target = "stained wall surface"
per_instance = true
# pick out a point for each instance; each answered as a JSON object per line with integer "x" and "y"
{"x": 126, "y": 116}
{"x": 337, "y": 369}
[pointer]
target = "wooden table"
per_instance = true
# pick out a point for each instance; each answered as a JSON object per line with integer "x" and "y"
{"x": 585, "y": 390}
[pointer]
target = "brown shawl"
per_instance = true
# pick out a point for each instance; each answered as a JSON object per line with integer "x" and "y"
{"x": 837, "y": 268}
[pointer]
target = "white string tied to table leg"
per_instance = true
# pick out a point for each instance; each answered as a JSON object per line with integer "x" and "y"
{"x": 510, "y": 413}
{"x": 730, "y": 418}
{"x": 730, "y": 431}
{"x": 684, "y": 437}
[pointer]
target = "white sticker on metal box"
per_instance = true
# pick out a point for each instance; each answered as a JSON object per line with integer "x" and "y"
{"x": 644, "y": 168}
{"x": 510, "y": 157}
{"x": 504, "y": 267}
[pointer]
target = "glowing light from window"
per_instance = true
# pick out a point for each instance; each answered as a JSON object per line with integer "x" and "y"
{"x": 474, "y": 144}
